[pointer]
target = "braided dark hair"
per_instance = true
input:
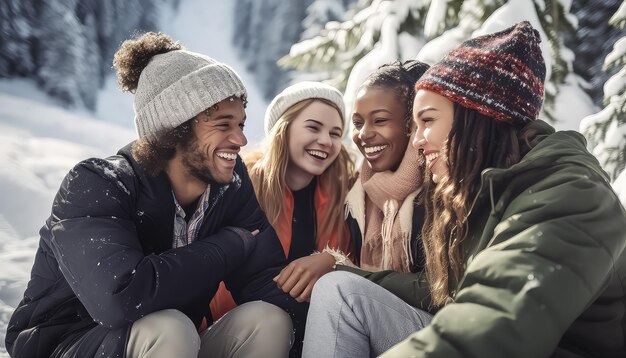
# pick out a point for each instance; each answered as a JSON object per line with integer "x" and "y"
{"x": 399, "y": 77}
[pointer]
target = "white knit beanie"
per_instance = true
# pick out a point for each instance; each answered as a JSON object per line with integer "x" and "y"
{"x": 176, "y": 86}
{"x": 297, "y": 93}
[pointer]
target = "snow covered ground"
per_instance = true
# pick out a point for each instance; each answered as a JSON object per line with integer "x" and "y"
{"x": 39, "y": 143}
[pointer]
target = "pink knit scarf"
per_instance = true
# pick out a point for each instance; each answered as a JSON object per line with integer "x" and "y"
{"x": 389, "y": 214}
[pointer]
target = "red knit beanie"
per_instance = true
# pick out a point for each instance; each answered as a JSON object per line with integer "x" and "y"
{"x": 500, "y": 75}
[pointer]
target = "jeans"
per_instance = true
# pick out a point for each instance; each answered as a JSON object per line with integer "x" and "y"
{"x": 351, "y": 316}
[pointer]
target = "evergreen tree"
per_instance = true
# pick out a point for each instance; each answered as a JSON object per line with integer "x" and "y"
{"x": 340, "y": 46}
{"x": 446, "y": 23}
{"x": 265, "y": 29}
{"x": 593, "y": 41}
{"x": 606, "y": 130}
{"x": 66, "y": 46}
{"x": 321, "y": 12}
{"x": 16, "y": 17}
{"x": 59, "y": 50}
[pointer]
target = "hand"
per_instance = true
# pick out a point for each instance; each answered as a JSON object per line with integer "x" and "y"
{"x": 299, "y": 277}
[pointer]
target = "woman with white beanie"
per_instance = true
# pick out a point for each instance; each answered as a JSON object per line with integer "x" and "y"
{"x": 301, "y": 181}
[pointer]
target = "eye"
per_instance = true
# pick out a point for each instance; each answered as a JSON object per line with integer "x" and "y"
{"x": 380, "y": 120}
{"x": 242, "y": 125}
{"x": 313, "y": 129}
{"x": 335, "y": 135}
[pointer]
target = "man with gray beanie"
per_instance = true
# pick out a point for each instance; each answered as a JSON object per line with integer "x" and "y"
{"x": 137, "y": 243}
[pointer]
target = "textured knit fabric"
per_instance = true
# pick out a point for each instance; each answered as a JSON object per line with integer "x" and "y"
{"x": 387, "y": 236}
{"x": 175, "y": 86}
{"x": 298, "y": 93}
{"x": 500, "y": 75}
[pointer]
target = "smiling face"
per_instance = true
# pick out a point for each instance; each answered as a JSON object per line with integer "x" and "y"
{"x": 218, "y": 137}
{"x": 380, "y": 127}
{"x": 314, "y": 141}
{"x": 434, "y": 115}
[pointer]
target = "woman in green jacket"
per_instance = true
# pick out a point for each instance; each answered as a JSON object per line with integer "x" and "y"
{"x": 524, "y": 238}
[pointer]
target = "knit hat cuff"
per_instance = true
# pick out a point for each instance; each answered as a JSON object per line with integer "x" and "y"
{"x": 298, "y": 93}
{"x": 186, "y": 98}
{"x": 456, "y": 94}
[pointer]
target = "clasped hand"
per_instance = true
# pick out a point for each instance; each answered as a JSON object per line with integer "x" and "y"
{"x": 298, "y": 278}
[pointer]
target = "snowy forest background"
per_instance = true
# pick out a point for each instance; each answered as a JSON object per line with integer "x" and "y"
{"x": 59, "y": 102}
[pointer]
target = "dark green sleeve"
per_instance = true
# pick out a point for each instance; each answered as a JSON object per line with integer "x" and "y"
{"x": 412, "y": 288}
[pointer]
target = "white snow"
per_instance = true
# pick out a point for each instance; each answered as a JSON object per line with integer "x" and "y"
{"x": 616, "y": 84}
{"x": 39, "y": 143}
{"x": 572, "y": 104}
{"x": 617, "y": 54}
{"x": 435, "y": 19}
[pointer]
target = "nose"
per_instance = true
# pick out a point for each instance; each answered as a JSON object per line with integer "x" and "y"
{"x": 324, "y": 139}
{"x": 418, "y": 140}
{"x": 365, "y": 132}
{"x": 238, "y": 138}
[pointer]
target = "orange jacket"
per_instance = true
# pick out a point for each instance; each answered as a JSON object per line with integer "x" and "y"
{"x": 223, "y": 302}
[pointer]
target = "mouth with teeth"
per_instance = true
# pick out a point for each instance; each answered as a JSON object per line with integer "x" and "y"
{"x": 431, "y": 158}
{"x": 374, "y": 152}
{"x": 317, "y": 154}
{"x": 229, "y": 159}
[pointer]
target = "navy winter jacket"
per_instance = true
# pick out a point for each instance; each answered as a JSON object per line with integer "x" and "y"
{"x": 105, "y": 259}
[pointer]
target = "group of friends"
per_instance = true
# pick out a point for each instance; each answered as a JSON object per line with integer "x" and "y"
{"x": 471, "y": 229}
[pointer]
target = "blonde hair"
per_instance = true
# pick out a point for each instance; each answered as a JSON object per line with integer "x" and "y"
{"x": 268, "y": 172}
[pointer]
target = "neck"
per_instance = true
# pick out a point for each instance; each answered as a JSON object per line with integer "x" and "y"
{"x": 297, "y": 179}
{"x": 186, "y": 187}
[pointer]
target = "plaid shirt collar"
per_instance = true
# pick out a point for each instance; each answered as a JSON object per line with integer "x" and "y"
{"x": 186, "y": 232}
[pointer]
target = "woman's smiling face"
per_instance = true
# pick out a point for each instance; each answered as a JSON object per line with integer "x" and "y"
{"x": 434, "y": 115}
{"x": 314, "y": 139}
{"x": 381, "y": 127}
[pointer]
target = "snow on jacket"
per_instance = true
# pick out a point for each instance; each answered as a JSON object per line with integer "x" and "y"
{"x": 105, "y": 260}
{"x": 546, "y": 263}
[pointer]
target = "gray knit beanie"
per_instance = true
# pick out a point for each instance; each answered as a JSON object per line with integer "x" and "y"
{"x": 176, "y": 86}
{"x": 297, "y": 93}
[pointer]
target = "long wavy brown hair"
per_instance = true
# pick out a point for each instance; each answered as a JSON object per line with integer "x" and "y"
{"x": 475, "y": 142}
{"x": 268, "y": 171}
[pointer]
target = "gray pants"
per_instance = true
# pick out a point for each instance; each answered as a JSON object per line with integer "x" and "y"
{"x": 350, "y": 316}
{"x": 254, "y": 329}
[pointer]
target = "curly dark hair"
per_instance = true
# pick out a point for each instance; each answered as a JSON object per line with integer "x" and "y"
{"x": 134, "y": 55}
{"x": 153, "y": 155}
{"x": 399, "y": 77}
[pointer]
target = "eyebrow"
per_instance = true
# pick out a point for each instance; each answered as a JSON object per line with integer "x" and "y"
{"x": 228, "y": 117}
{"x": 420, "y": 112}
{"x": 320, "y": 123}
{"x": 380, "y": 110}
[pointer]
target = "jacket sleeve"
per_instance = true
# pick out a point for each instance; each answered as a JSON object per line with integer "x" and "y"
{"x": 254, "y": 279}
{"x": 412, "y": 288}
{"x": 93, "y": 237}
{"x": 550, "y": 256}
